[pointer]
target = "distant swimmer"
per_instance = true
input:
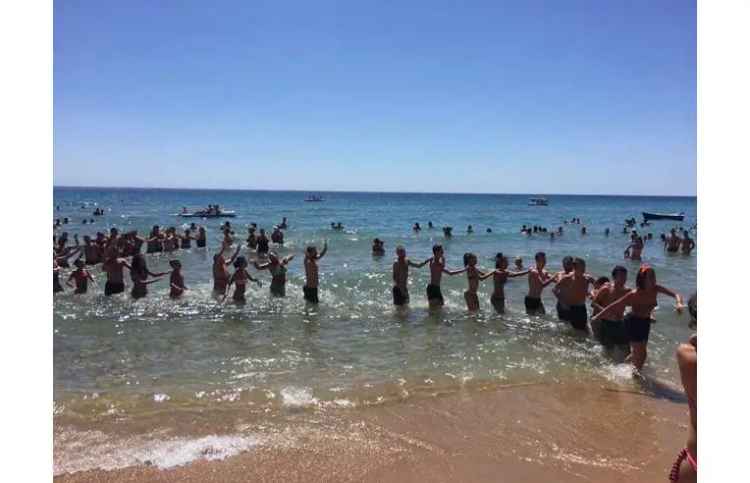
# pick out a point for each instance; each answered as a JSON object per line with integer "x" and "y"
{"x": 429, "y": 225}
{"x": 310, "y": 288}
{"x": 220, "y": 272}
{"x": 642, "y": 301}
{"x": 634, "y": 250}
{"x": 139, "y": 274}
{"x": 474, "y": 276}
{"x": 469, "y": 229}
{"x": 538, "y": 279}
{"x": 673, "y": 242}
{"x": 80, "y": 278}
{"x": 437, "y": 269}
{"x": 401, "y": 276}
{"x": 176, "y": 280}
{"x": 185, "y": 240}
{"x": 688, "y": 244}
{"x": 612, "y": 331}
{"x": 277, "y": 267}
{"x": 606, "y": 232}
{"x": 378, "y": 247}
{"x": 583, "y": 230}
{"x": 575, "y": 285}
{"x": 447, "y": 231}
{"x": 239, "y": 279}
{"x": 489, "y": 230}
{"x": 283, "y": 225}
{"x": 518, "y": 262}
{"x": 416, "y": 227}
{"x": 500, "y": 277}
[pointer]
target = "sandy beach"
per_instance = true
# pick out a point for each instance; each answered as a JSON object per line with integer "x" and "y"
{"x": 535, "y": 432}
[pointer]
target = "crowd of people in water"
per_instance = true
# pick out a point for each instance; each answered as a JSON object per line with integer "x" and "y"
{"x": 572, "y": 286}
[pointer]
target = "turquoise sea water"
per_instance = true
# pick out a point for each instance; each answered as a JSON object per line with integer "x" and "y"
{"x": 116, "y": 358}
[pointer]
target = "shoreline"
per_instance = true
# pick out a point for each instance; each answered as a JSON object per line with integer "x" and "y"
{"x": 521, "y": 432}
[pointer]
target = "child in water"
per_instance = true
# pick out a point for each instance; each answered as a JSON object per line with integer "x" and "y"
{"x": 501, "y": 275}
{"x": 474, "y": 276}
{"x": 81, "y": 276}
{"x": 240, "y": 277}
{"x": 176, "y": 280}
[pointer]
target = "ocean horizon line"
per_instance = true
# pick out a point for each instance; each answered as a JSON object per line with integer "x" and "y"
{"x": 154, "y": 188}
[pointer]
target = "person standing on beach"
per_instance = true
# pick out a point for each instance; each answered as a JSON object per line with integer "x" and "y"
{"x": 612, "y": 331}
{"x": 278, "y": 269}
{"x": 642, "y": 301}
{"x": 401, "y": 276}
{"x": 538, "y": 279}
{"x": 437, "y": 269}
{"x": 310, "y": 289}
{"x": 220, "y": 273}
{"x": 575, "y": 286}
{"x": 500, "y": 277}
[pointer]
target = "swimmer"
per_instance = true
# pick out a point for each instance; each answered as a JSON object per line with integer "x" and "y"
{"x": 239, "y": 278}
{"x": 447, "y": 231}
{"x": 612, "y": 331}
{"x": 176, "y": 280}
{"x": 437, "y": 269}
{"x": 185, "y": 240}
{"x": 474, "y": 276}
{"x": 469, "y": 229}
{"x": 220, "y": 273}
{"x": 113, "y": 266}
{"x": 687, "y": 244}
{"x": 139, "y": 274}
{"x": 642, "y": 301}
{"x": 500, "y": 277}
{"x": 278, "y": 269}
{"x": 283, "y": 225}
{"x": 310, "y": 289}
{"x": 277, "y": 236}
{"x": 429, "y": 225}
{"x": 489, "y": 230}
{"x": 81, "y": 276}
{"x": 672, "y": 242}
{"x": 606, "y": 232}
{"x": 401, "y": 276}
{"x": 634, "y": 250}
{"x": 378, "y": 247}
{"x": 416, "y": 227}
{"x": 262, "y": 243}
{"x": 538, "y": 279}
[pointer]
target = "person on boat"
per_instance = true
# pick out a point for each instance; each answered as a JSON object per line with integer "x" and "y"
{"x": 500, "y": 277}
{"x": 575, "y": 286}
{"x": 262, "y": 243}
{"x": 80, "y": 276}
{"x": 200, "y": 240}
{"x": 642, "y": 301}
{"x": 437, "y": 269}
{"x": 685, "y": 467}
{"x": 401, "y": 276}
{"x": 239, "y": 278}
{"x": 139, "y": 274}
{"x": 538, "y": 280}
{"x": 474, "y": 276}
{"x": 176, "y": 280}
{"x": 220, "y": 273}
{"x": 634, "y": 250}
{"x": 378, "y": 247}
{"x": 310, "y": 289}
{"x": 688, "y": 244}
{"x": 673, "y": 242}
{"x": 278, "y": 268}
{"x": 612, "y": 332}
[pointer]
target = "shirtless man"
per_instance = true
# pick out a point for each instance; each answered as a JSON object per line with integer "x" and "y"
{"x": 220, "y": 272}
{"x": 573, "y": 289}
{"x": 437, "y": 269}
{"x": 113, "y": 266}
{"x": 92, "y": 253}
{"x": 633, "y": 251}
{"x": 538, "y": 279}
{"x": 310, "y": 288}
{"x": 561, "y": 292}
{"x": 672, "y": 242}
{"x": 688, "y": 244}
{"x": 612, "y": 329}
{"x": 401, "y": 276}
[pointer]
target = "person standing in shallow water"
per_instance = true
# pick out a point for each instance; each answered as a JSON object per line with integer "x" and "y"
{"x": 437, "y": 269}
{"x": 474, "y": 276}
{"x": 310, "y": 289}
{"x": 401, "y": 276}
{"x": 538, "y": 279}
{"x": 278, "y": 270}
{"x": 642, "y": 301}
{"x": 576, "y": 287}
{"x": 139, "y": 274}
{"x": 500, "y": 277}
{"x": 220, "y": 273}
{"x": 612, "y": 332}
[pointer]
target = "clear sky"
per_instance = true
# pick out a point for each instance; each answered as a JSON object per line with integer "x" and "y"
{"x": 482, "y": 96}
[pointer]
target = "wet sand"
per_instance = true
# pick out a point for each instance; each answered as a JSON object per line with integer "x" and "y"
{"x": 537, "y": 432}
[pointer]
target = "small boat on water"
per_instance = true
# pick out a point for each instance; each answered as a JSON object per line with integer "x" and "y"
{"x": 313, "y": 198}
{"x": 538, "y": 202}
{"x": 214, "y": 211}
{"x": 663, "y": 216}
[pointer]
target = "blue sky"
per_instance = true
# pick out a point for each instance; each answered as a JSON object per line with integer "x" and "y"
{"x": 482, "y": 96}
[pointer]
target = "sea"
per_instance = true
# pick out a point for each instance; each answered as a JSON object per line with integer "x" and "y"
{"x": 162, "y": 382}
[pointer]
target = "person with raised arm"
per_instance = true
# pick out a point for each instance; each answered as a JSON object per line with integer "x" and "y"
{"x": 500, "y": 277}
{"x": 437, "y": 269}
{"x": 277, "y": 267}
{"x": 239, "y": 278}
{"x": 401, "y": 276}
{"x": 642, "y": 300}
{"x": 310, "y": 289}
{"x": 220, "y": 273}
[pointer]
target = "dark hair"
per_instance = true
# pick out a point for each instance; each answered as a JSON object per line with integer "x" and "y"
{"x": 540, "y": 255}
{"x": 467, "y": 256}
{"x": 693, "y": 306}
{"x": 579, "y": 261}
{"x": 602, "y": 280}
{"x": 619, "y": 269}
{"x": 239, "y": 261}
{"x": 567, "y": 261}
{"x": 436, "y": 248}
